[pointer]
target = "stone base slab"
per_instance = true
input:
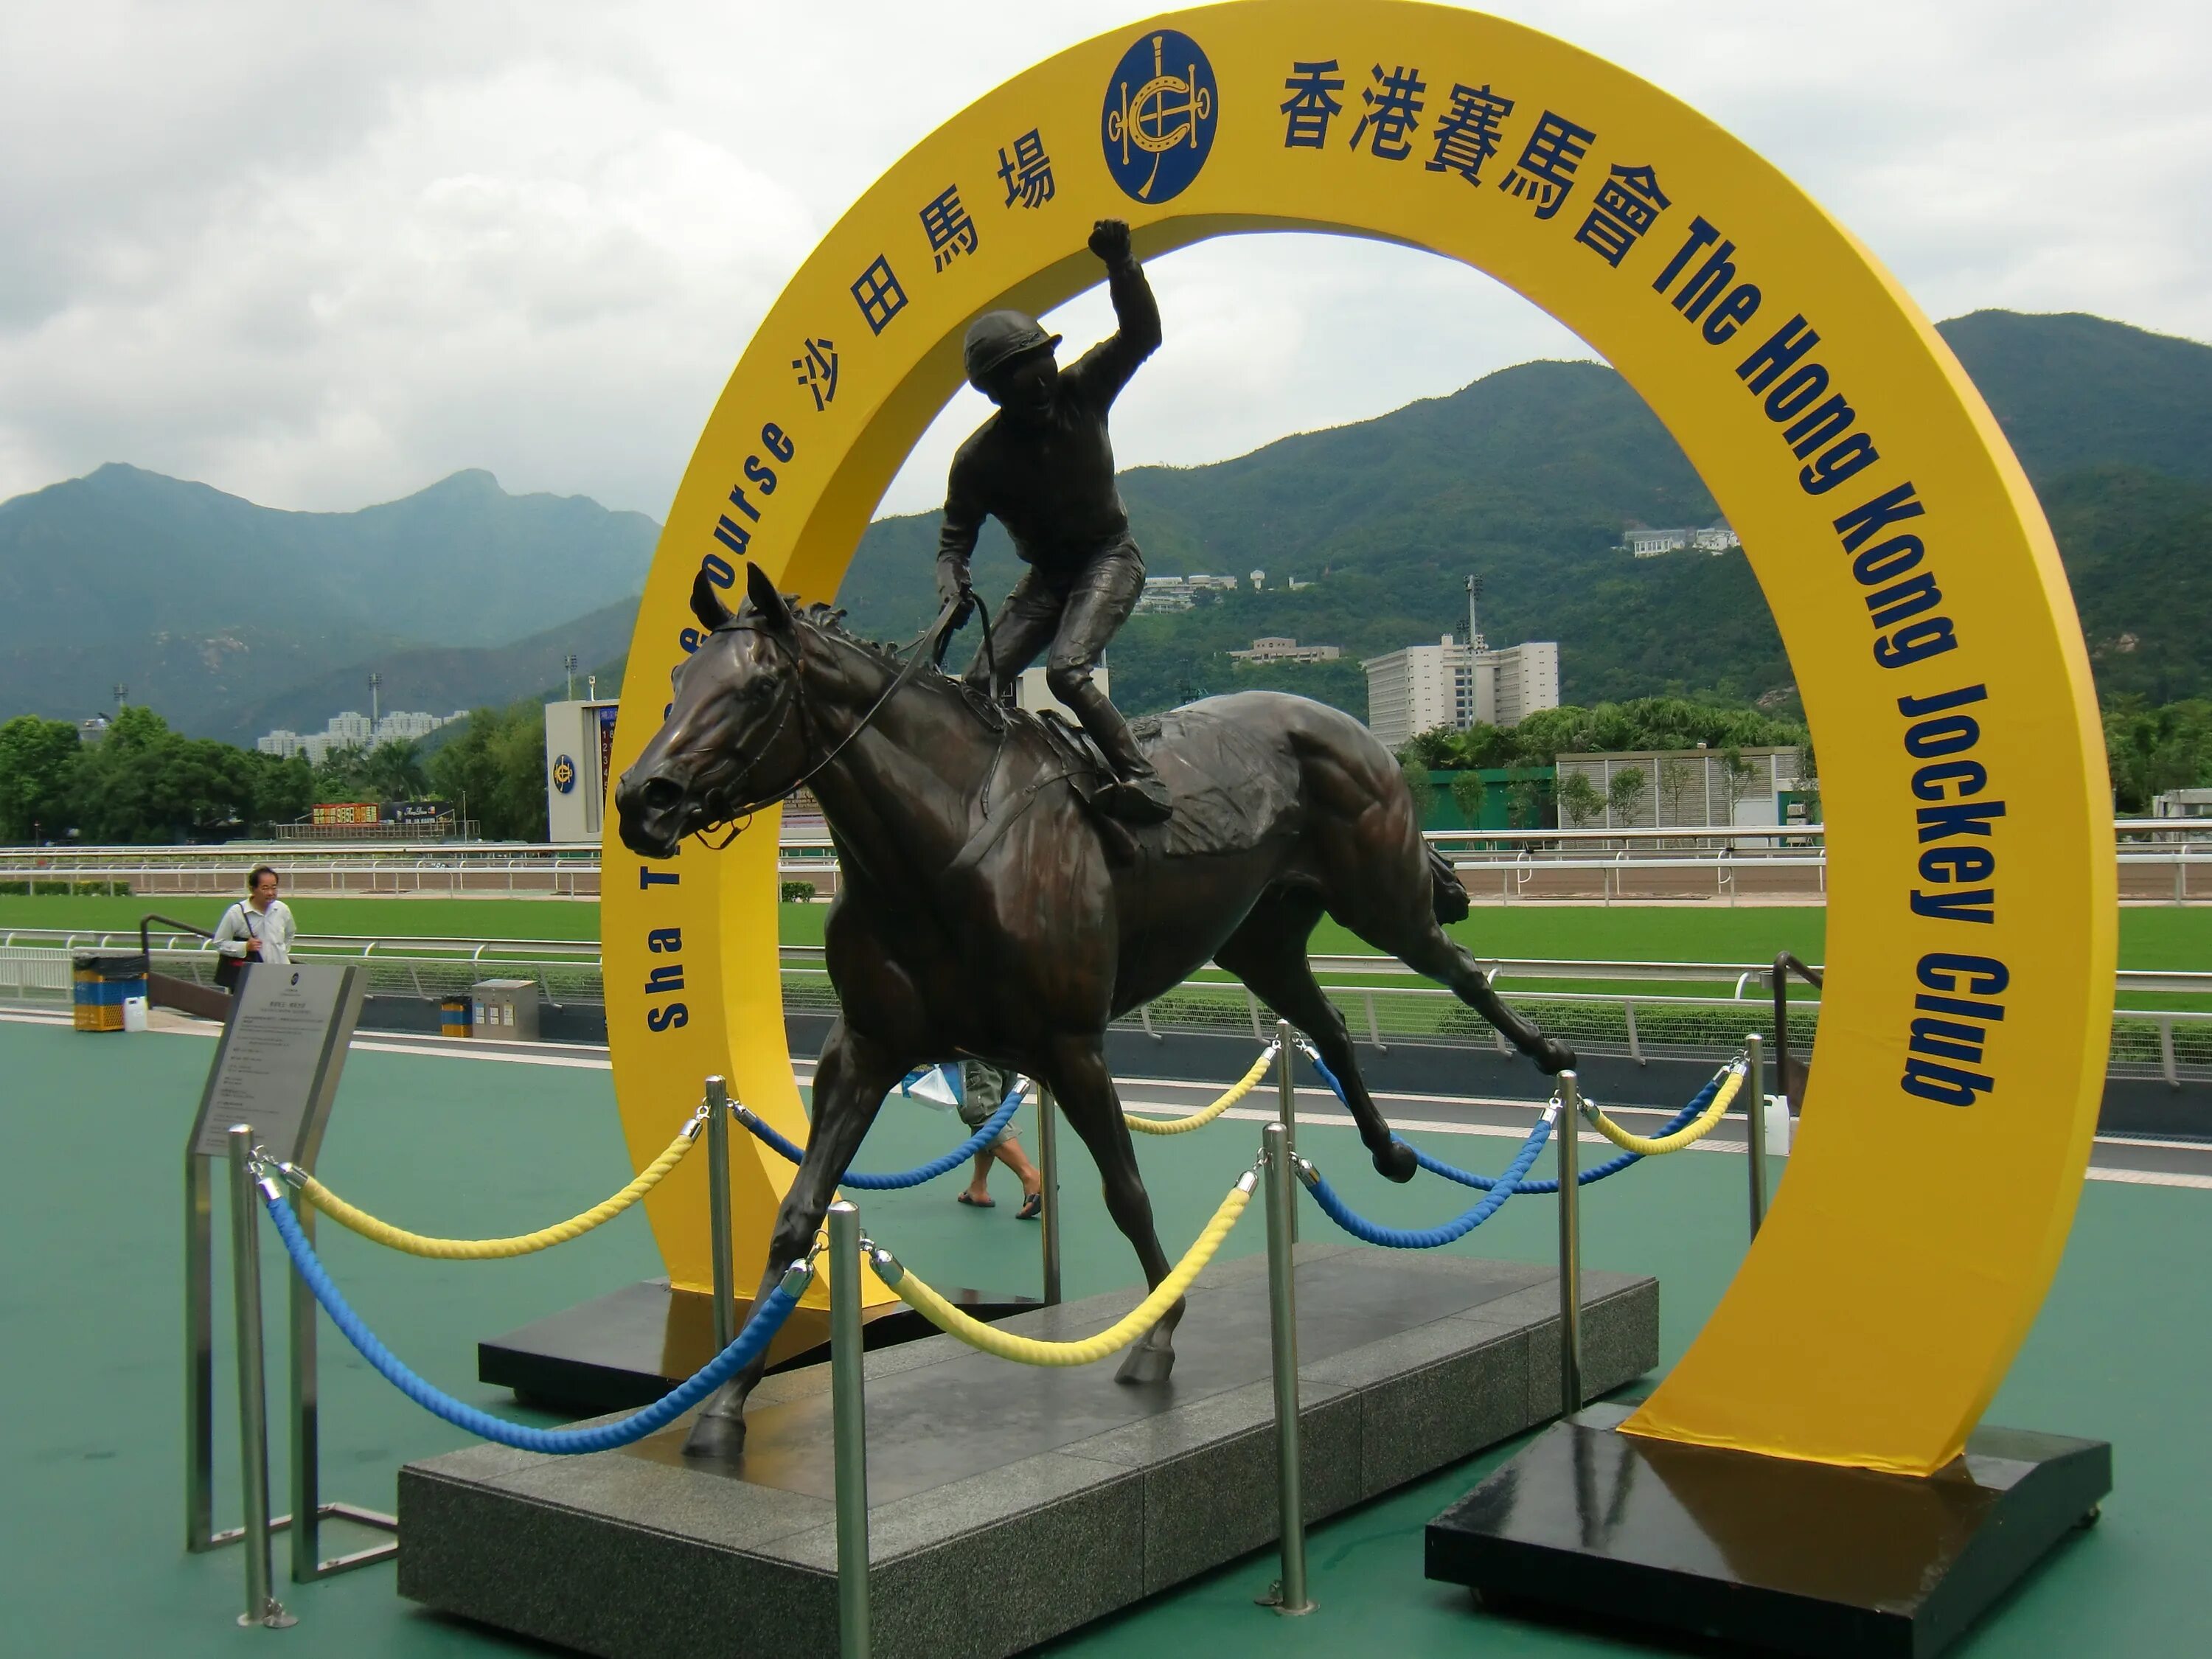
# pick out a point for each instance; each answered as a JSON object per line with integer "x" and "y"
{"x": 1009, "y": 1503}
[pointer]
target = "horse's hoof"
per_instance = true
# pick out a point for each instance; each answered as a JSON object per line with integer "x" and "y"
{"x": 1145, "y": 1365}
{"x": 1396, "y": 1163}
{"x": 1553, "y": 1057}
{"x": 717, "y": 1439}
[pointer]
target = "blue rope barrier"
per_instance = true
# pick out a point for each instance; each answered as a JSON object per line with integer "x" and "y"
{"x": 914, "y": 1177}
{"x": 749, "y": 1344}
{"x": 1400, "y": 1238}
{"x": 1613, "y": 1165}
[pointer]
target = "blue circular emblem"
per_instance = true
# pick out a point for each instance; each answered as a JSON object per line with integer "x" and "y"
{"x": 1161, "y": 106}
{"x": 564, "y": 774}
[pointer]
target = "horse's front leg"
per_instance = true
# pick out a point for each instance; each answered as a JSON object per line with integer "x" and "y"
{"x": 855, "y": 1074}
{"x": 1085, "y": 1091}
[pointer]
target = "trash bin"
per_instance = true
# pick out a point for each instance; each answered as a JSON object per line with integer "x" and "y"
{"x": 99, "y": 984}
{"x": 453, "y": 1016}
{"x": 506, "y": 1008}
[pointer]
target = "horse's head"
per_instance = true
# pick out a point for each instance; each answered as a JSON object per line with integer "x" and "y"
{"x": 731, "y": 740}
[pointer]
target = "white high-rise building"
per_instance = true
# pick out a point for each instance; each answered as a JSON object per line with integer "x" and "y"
{"x": 353, "y": 727}
{"x": 1516, "y": 681}
{"x": 1425, "y": 686}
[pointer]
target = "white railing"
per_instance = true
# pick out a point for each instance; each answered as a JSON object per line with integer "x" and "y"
{"x": 35, "y": 965}
{"x": 806, "y": 840}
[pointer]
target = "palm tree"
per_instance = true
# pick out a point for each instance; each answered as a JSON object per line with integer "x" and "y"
{"x": 395, "y": 771}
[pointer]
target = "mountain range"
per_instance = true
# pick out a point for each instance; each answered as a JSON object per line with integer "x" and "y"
{"x": 230, "y": 618}
{"x": 1527, "y": 479}
{"x": 233, "y": 619}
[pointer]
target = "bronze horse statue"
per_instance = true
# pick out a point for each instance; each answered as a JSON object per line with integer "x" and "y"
{"x": 983, "y": 909}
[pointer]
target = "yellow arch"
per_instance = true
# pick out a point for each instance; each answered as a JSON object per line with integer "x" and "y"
{"x": 1915, "y": 1239}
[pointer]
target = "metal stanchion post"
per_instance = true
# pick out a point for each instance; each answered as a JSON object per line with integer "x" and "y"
{"x": 1289, "y": 1596}
{"x": 1754, "y": 1117}
{"x": 199, "y": 1359}
{"x": 309, "y": 1511}
{"x": 1048, "y": 1187}
{"x": 1570, "y": 1245}
{"x": 261, "y": 1608}
{"x": 848, "y": 1429}
{"x": 717, "y": 1209}
{"x": 1286, "y": 1105}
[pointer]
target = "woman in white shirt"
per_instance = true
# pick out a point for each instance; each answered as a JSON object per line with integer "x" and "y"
{"x": 259, "y": 928}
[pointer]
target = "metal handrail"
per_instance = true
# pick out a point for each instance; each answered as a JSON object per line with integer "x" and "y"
{"x": 145, "y": 922}
{"x": 1789, "y": 1072}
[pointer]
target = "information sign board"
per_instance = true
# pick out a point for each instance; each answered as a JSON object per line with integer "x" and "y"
{"x": 278, "y": 1063}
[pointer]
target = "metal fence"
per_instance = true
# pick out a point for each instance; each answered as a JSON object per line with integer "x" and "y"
{"x": 2160, "y": 860}
{"x": 1696, "y": 1009}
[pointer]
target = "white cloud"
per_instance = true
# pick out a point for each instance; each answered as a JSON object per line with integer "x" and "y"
{"x": 323, "y": 256}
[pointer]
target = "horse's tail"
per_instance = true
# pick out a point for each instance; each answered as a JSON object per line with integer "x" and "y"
{"x": 1447, "y": 892}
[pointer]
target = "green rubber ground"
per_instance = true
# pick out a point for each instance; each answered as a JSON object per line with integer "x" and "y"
{"x": 91, "y": 1532}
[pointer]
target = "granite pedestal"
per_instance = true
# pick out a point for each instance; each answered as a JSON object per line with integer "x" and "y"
{"x": 1767, "y": 1552}
{"x": 1009, "y": 1503}
{"x": 629, "y": 1347}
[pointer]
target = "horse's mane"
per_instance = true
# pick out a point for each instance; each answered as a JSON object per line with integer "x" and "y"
{"x": 829, "y": 619}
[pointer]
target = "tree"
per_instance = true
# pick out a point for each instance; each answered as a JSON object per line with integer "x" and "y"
{"x": 1419, "y": 786}
{"x": 143, "y": 782}
{"x": 1677, "y": 777}
{"x": 1736, "y": 776}
{"x": 496, "y": 768}
{"x": 38, "y": 762}
{"x": 342, "y": 774}
{"x": 1579, "y": 800}
{"x": 1624, "y": 795}
{"x": 2151, "y": 750}
{"x": 395, "y": 770}
{"x": 1468, "y": 793}
{"x": 1439, "y": 748}
{"x": 1528, "y": 797}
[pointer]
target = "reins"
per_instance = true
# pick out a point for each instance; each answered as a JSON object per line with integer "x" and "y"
{"x": 929, "y": 647}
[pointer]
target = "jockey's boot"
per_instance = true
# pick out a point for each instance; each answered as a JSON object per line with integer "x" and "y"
{"x": 1136, "y": 795}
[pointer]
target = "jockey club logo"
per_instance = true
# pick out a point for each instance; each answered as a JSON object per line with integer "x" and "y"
{"x": 1161, "y": 107}
{"x": 564, "y": 774}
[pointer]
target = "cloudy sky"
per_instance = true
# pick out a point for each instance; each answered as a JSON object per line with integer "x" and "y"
{"x": 321, "y": 256}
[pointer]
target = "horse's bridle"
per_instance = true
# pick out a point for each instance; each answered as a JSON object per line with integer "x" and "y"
{"x": 928, "y": 646}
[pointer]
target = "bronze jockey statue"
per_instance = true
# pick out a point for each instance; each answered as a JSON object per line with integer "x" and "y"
{"x": 1043, "y": 464}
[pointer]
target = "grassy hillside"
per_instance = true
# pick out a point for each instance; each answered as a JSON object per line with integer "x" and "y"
{"x": 1527, "y": 477}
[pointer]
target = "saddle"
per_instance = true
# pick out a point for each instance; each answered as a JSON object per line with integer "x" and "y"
{"x": 1077, "y": 761}
{"x": 1228, "y": 788}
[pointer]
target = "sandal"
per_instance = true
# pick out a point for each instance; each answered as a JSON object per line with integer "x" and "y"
{"x": 979, "y": 1203}
{"x": 1032, "y": 1207}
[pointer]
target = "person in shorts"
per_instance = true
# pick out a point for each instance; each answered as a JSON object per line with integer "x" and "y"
{"x": 983, "y": 1088}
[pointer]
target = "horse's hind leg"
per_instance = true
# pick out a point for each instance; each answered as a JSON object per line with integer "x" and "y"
{"x": 1434, "y": 952}
{"x": 854, "y": 1075}
{"x": 1085, "y": 1091}
{"x": 1268, "y": 953}
{"x": 1389, "y": 888}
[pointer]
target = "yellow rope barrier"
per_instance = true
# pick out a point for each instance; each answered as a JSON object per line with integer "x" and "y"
{"x": 1029, "y": 1350}
{"x": 1697, "y": 1129}
{"x": 1200, "y": 1118}
{"x": 489, "y": 1250}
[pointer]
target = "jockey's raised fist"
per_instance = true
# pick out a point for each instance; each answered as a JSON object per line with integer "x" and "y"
{"x": 1110, "y": 241}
